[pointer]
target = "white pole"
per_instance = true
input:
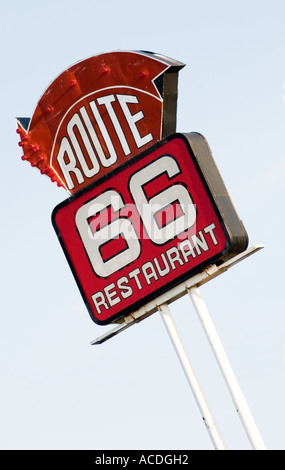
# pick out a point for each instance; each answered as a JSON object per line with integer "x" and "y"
{"x": 178, "y": 346}
{"x": 237, "y": 396}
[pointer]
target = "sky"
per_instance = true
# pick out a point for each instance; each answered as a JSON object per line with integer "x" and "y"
{"x": 57, "y": 390}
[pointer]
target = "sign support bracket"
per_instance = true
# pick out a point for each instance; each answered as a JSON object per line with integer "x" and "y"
{"x": 176, "y": 292}
{"x": 160, "y": 304}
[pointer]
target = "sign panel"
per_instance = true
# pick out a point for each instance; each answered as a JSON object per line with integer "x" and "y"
{"x": 98, "y": 114}
{"x": 148, "y": 225}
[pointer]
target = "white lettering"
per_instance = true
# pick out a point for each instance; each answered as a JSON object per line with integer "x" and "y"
{"x": 114, "y": 460}
{"x": 155, "y": 269}
{"x": 111, "y": 293}
{"x": 93, "y": 241}
{"x": 113, "y": 156}
{"x": 134, "y": 274}
{"x": 173, "y": 256}
{"x": 94, "y": 138}
{"x": 76, "y": 121}
{"x": 70, "y": 166}
{"x": 132, "y": 119}
{"x": 126, "y": 291}
{"x": 210, "y": 230}
{"x": 199, "y": 242}
{"x": 107, "y": 100}
{"x": 147, "y": 208}
{"x": 186, "y": 249}
{"x": 149, "y": 272}
{"x": 85, "y": 142}
{"x": 99, "y": 300}
{"x": 162, "y": 271}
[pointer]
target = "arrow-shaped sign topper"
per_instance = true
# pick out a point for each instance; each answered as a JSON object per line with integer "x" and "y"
{"x": 99, "y": 113}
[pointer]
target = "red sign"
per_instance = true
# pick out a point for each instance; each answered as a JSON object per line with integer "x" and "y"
{"x": 150, "y": 224}
{"x": 98, "y": 114}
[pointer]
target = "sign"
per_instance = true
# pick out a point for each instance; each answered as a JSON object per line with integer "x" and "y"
{"x": 148, "y": 225}
{"x": 100, "y": 113}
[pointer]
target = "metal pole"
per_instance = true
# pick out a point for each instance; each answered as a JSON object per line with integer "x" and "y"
{"x": 237, "y": 396}
{"x": 178, "y": 346}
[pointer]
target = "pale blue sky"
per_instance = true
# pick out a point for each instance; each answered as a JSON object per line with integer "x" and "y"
{"x": 57, "y": 391}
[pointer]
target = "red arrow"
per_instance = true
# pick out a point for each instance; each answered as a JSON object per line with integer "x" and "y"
{"x": 153, "y": 74}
